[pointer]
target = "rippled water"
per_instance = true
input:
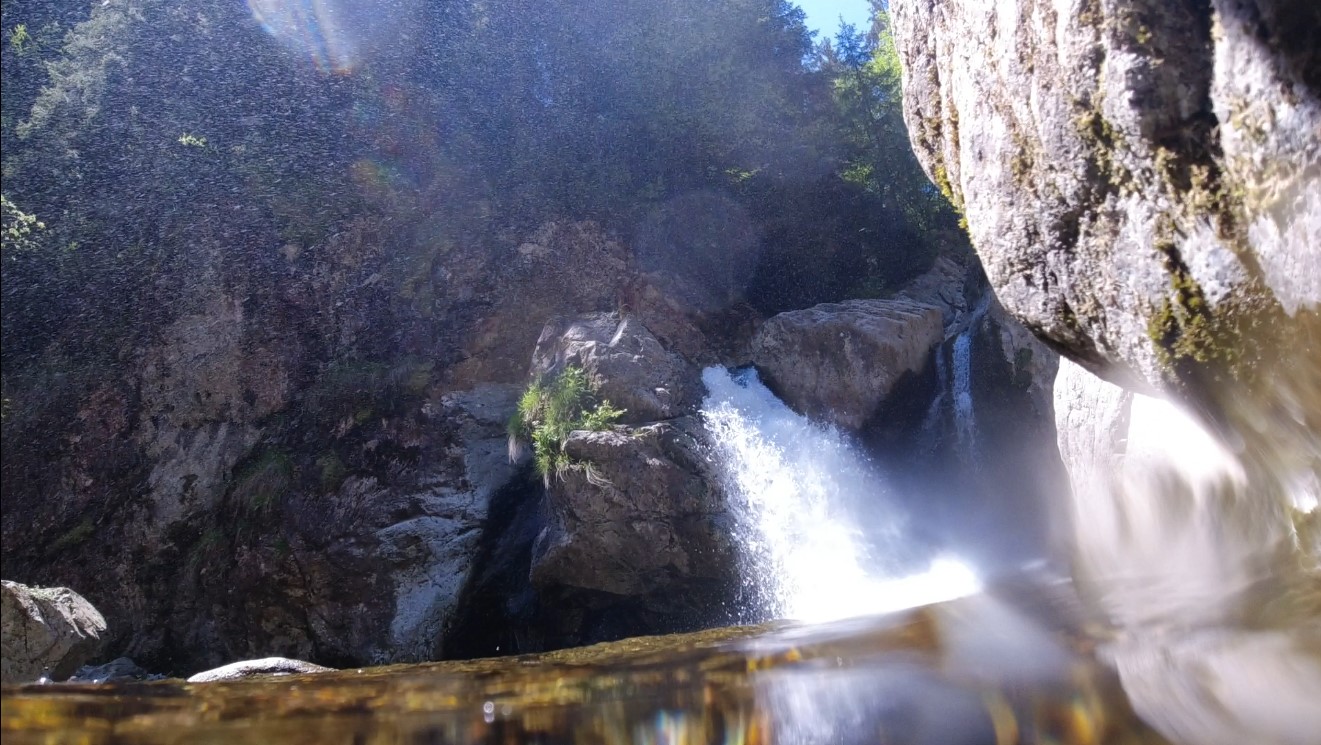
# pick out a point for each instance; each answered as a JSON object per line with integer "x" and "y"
{"x": 970, "y": 671}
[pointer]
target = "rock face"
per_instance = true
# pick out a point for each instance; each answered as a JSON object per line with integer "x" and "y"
{"x": 1141, "y": 179}
{"x": 45, "y": 632}
{"x": 205, "y": 386}
{"x": 640, "y": 515}
{"x": 415, "y": 535}
{"x": 301, "y": 461}
{"x": 563, "y": 268}
{"x": 839, "y": 361}
{"x": 625, "y": 363}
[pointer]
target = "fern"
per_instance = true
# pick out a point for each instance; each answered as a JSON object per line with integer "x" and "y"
{"x": 549, "y": 411}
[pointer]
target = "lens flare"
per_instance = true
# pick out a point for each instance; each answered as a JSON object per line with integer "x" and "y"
{"x": 336, "y": 35}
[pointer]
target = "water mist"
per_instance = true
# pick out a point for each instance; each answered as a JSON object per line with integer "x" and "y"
{"x": 821, "y": 537}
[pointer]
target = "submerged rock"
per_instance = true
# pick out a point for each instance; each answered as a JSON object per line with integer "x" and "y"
{"x": 116, "y": 670}
{"x": 45, "y": 632}
{"x": 972, "y": 670}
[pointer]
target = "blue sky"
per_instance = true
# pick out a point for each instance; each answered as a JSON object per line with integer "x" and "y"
{"x": 823, "y": 15}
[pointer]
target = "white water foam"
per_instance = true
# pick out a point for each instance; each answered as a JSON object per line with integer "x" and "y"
{"x": 797, "y": 488}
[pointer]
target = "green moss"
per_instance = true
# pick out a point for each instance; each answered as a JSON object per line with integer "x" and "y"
{"x": 331, "y": 471}
{"x": 943, "y": 183}
{"x": 1184, "y": 328}
{"x": 549, "y": 411}
{"x": 261, "y": 482}
{"x": 74, "y": 536}
{"x": 354, "y": 392}
{"x": 211, "y": 542}
{"x": 1102, "y": 139}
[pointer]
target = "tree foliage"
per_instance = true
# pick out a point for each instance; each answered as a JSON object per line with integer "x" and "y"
{"x": 179, "y": 144}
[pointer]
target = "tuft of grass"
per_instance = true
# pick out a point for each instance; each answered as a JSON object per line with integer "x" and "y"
{"x": 261, "y": 483}
{"x": 74, "y": 537}
{"x": 549, "y": 410}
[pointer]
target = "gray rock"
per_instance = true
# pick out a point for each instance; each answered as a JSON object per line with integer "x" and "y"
{"x": 1141, "y": 179}
{"x": 269, "y": 666}
{"x": 561, "y": 269}
{"x": 428, "y": 555}
{"x": 214, "y": 374}
{"x": 839, "y": 361}
{"x": 120, "y": 668}
{"x": 625, "y": 363}
{"x": 636, "y": 514}
{"x": 1034, "y": 364}
{"x": 945, "y": 285}
{"x": 45, "y": 632}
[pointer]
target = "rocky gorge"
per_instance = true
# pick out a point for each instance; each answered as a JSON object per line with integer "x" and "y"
{"x": 330, "y": 461}
{"x": 405, "y": 531}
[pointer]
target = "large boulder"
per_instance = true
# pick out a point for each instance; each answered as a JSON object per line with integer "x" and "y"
{"x": 1205, "y": 581}
{"x": 625, "y": 363}
{"x": 1141, "y": 179}
{"x": 45, "y": 632}
{"x": 839, "y": 361}
{"x": 635, "y": 514}
{"x": 263, "y": 668}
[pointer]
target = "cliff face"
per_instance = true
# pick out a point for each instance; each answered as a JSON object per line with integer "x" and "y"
{"x": 285, "y": 468}
{"x": 1141, "y": 179}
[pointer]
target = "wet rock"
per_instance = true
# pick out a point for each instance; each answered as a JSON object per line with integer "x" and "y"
{"x": 839, "y": 361}
{"x": 625, "y": 363}
{"x": 636, "y": 514}
{"x": 1157, "y": 510}
{"x": 1141, "y": 179}
{"x": 269, "y": 666}
{"x": 205, "y": 387}
{"x": 1032, "y": 364}
{"x": 118, "y": 669}
{"x": 45, "y": 632}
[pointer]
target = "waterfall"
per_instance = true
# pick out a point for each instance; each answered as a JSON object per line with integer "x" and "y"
{"x": 820, "y": 537}
{"x": 965, "y": 421}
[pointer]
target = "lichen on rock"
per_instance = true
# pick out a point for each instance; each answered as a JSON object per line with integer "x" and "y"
{"x": 1139, "y": 178}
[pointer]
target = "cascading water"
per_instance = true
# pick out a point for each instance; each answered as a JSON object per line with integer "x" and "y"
{"x": 965, "y": 422}
{"x": 799, "y": 491}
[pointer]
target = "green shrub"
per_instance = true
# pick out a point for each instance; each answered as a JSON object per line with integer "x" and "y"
{"x": 549, "y": 411}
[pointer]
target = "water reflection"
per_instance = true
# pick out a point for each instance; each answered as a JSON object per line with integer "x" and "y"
{"x": 970, "y": 671}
